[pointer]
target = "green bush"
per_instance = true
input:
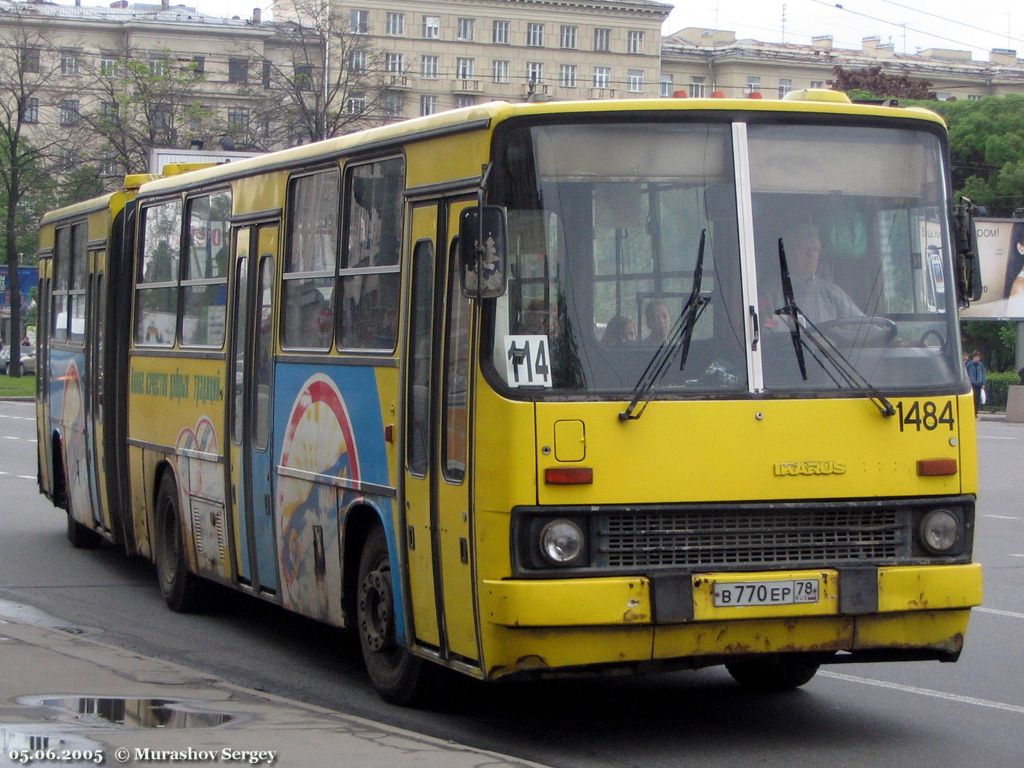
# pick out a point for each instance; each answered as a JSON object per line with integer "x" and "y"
{"x": 996, "y": 383}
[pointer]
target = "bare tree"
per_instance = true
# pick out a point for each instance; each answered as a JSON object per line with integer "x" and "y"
{"x": 323, "y": 77}
{"x": 26, "y": 66}
{"x": 143, "y": 101}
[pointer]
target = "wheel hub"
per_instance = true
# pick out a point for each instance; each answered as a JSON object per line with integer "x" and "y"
{"x": 375, "y": 611}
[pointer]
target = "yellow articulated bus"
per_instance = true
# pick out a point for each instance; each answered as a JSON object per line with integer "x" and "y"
{"x": 550, "y": 388}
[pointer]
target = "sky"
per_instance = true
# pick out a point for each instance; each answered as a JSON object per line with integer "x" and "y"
{"x": 910, "y": 25}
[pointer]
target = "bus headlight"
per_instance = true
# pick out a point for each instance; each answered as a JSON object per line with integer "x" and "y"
{"x": 939, "y": 531}
{"x": 561, "y": 542}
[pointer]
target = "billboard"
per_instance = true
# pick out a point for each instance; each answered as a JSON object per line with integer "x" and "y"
{"x": 1001, "y": 257}
{"x": 28, "y": 278}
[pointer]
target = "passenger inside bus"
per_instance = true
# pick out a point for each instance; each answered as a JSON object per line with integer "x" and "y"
{"x": 620, "y": 332}
{"x": 658, "y": 322}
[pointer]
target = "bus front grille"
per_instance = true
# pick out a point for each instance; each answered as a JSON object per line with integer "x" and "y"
{"x": 656, "y": 538}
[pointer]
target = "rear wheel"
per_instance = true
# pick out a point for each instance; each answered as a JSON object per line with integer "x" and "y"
{"x": 398, "y": 676}
{"x": 79, "y": 536}
{"x": 773, "y": 673}
{"x": 179, "y": 587}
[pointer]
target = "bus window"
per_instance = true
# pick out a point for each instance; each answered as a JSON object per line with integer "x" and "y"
{"x": 61, "y": 281}
{"x": 205, "y": 283}
{"x": 77, "y": 288}
{"x": 370, "y": 283}
{"x": 156, "y": 304}
{"x": 307, "y": 307}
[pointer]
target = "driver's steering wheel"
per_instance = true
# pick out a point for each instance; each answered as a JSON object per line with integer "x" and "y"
{"x": 868, "y": 330}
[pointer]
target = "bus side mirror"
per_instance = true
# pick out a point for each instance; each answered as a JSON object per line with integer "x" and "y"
{"x": 968, "y": 266}
{"x": 482, "y": 252}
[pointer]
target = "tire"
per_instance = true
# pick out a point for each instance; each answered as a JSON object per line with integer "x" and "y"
{"x": 180, "y": 588}
{"x": 397, "y": 675}
{"x": 773, "y": 674}
{"x": 79, "y": 536}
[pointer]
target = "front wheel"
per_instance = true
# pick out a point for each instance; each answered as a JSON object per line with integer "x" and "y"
{"x": 179, "y": 587}
{"x": 773, "y": 673}
{"x": 398, "y": 676}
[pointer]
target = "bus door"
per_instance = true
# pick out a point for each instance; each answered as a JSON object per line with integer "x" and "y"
{"x": 93, "y": 387}
{"x": 43, "y": 444}
{"x": 250, "y": 406}
{"x": 436, "y": 480}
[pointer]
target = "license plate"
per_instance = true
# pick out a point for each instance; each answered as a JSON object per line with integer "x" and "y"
{"x": 732, "y": 594}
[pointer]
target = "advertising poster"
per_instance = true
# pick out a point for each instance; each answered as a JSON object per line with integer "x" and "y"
{"x": 1001, "y": 256}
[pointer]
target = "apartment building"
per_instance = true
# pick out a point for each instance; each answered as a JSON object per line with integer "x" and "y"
{"x": 698, "y": 61}
{"x": 454, "y": 53}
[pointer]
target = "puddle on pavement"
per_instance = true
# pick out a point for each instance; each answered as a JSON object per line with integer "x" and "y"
{"x": 135, "y": 713}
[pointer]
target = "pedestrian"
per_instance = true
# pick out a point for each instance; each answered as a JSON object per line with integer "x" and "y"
{"x": 976, "y": 374}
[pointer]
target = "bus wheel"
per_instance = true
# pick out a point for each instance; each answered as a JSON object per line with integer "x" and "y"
{"x": 773, "y": 673}
{"x": 397, "y": 675}
{"x": 179, "y": 587}
{"x": 79, "y": 536}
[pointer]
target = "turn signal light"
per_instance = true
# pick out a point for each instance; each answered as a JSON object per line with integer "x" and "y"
{"x": 569, "y": 476}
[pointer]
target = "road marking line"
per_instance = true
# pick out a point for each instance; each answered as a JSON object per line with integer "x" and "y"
{"x": 955, "y": 697}
{"x": 4, "y": 473}
{"x": 1016, "y": 555}
{"x": 994, "y": 437}
{"x": 27, "y": 477}
{"x": 997, "y": 612}
{"x": 1001, "y": 517}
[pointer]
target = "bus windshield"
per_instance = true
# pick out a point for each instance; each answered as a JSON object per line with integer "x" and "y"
{"x": 607, "y": 224}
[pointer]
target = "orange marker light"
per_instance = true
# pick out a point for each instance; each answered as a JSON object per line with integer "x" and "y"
{"x": 936, "y": 467}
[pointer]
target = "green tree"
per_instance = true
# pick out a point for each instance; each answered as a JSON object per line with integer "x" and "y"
{"x": 24, "y": 69}
{"x": 986, "y": 143}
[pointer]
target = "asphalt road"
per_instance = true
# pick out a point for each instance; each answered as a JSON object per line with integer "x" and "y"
{"x": 922, "y": 714}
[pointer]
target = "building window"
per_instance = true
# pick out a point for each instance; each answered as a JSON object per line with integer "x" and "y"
{"x": 69, "y": 62}
{"x": 464, "y": 100}
{"x": 500, "y": 33}
{"x": 109, "y": 110}
{"x": 108, "y": 165}
{"x": 395, "y": 63}
{"x": 69, "y": 114}
{"x": 464, "y": 68}
{"x": 602, "y": 77}
{"x": 30, "y": 60}
{"x": 753, "y": 84}
{"x": 428, "y": 105}
{"x": 666, "y": 86}
{"x": 396, "y": 24}
{"x": 602, "y": 39}
{"x": 30, "y": 114}
{"x": 567, "y": 36}
{"x": 567, "y": 75}
{"x": 817, "y": 83}
{"x": 238, "y": 120}
{"x": 698, "y": 87}
{"x": 467, "y": 29}
{"x": 160, "y": 117}
{"x": 785, "y": 86}
{"x": 635, "y": 41}
{"x": 357, "y": 62}
{"x": 198, "y": 66}
{"x": 304, "y": 77}
{"x": 429, "y": 67}
{"x": 432, "y": 27}
{"x": 393, "y": 104}
{"x": 238, "y": 70}
{"x": 635, "y": 81}
{"x": 356, "y": 104}
{"x": 499, "y": 71}
{"x": 267, "y": 72}
{"x": 534, "y": 72}
{"x": 535, "y": 35}
{"x": 359, "y": 22}
{"x": 108, "y": 65}
{"x": 157, "y": 65}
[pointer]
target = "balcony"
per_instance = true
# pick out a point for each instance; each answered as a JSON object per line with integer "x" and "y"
{"x": 398, "y": 81}
{"x": 602, "y": 93}
{"x": 463, "y": 85}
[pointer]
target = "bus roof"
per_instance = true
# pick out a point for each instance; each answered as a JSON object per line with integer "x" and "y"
{"x": 491, "y": 113}
{"x": 112, "y": 201}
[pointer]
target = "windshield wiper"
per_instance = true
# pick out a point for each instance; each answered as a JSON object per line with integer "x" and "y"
{"x": 678, "y": 339}
{"x": 790, "y": 309}
{"x": 822, "y": 345}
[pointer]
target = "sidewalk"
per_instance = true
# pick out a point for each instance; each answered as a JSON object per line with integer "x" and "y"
{"x": 169, "y": 714}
